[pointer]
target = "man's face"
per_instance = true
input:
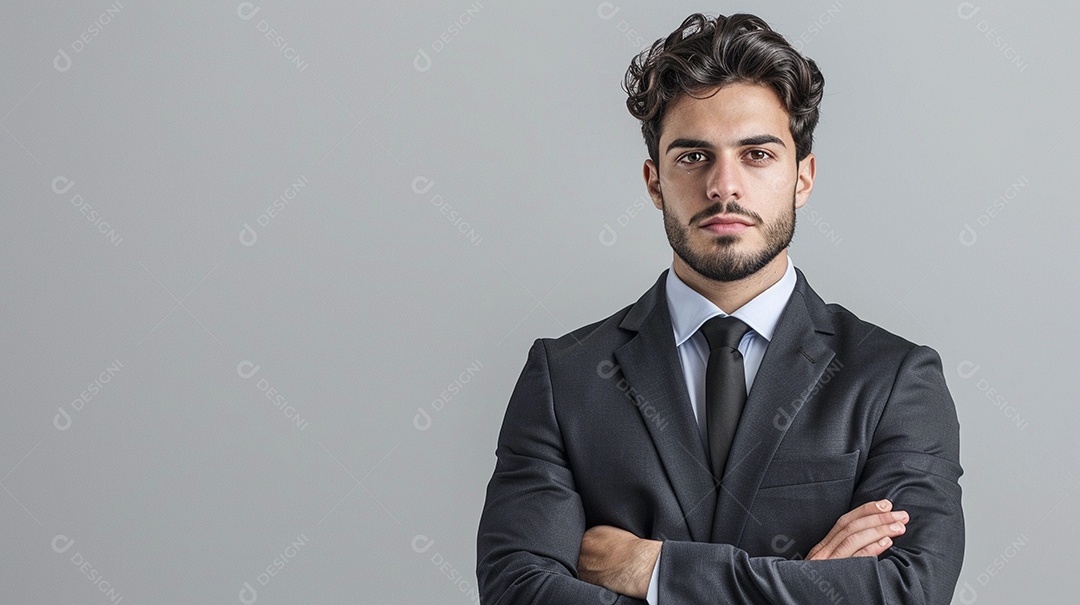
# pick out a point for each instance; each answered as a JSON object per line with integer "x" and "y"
{"x": 728, "y": 182}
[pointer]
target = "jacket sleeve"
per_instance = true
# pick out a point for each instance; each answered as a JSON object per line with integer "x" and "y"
{"x": 531, "y": 527}
{"x": 913, "y": 461}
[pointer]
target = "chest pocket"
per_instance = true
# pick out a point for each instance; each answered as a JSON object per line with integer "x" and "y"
{"x": 812, "y": 468}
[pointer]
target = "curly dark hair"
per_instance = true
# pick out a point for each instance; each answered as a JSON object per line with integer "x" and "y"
{"x": 705, "y": 53}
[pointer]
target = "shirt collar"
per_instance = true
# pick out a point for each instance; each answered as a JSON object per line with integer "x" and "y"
{"x": 689, "y": 309}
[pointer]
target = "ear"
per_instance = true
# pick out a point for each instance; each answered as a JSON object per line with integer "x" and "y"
{"x": 805, "y": 183}
{"x": 652, "y": 183}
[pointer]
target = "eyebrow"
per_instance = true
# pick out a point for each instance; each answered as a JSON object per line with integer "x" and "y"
{"x": 760, "y": 139}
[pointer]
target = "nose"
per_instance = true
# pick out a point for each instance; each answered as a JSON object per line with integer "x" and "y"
{"x": 725, "y": 180}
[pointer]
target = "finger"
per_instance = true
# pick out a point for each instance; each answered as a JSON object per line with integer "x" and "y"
{"x": 869, "y": 508}
{"x": 861, "y": 532}
{"x": 862, "y": 523}
{"x": 867, "y": 537}
{"x": 827, "y": 547}
{"x": 874, "y": 549}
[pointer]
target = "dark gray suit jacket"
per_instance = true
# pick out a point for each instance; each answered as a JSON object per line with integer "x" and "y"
{"x": 599, "y": 430}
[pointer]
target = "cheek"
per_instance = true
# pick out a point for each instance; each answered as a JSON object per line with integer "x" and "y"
{"x": 777, "y": 184}
{"x": 683, "y": 187}
{"x": 675, "y": 204}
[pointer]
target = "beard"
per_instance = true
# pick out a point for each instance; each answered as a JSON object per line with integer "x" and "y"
{"x": 727, "y": 264}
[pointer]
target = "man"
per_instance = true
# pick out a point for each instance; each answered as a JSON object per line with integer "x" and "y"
{"x": 728, "y": 438}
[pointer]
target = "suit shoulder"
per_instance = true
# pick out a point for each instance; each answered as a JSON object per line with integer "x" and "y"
{"x": 604, "y": 336}
{"x": 856, "y": 336}
{"x": 587, "y": 338}
{"x": 851, "y": 336}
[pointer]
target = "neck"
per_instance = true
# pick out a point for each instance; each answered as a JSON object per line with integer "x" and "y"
{"x": 731, "y": 295}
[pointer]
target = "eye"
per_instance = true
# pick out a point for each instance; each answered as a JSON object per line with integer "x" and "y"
{"x": 692, "y": 157}
{"x": 758, "y": 156}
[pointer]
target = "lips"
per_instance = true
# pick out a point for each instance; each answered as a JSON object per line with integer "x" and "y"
{"x": 726, "y": 224}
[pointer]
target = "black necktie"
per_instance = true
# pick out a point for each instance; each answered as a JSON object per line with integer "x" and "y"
{"x": 725, "y": 387}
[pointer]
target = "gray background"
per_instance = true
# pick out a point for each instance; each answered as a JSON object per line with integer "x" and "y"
{"x": 444, "y": 212}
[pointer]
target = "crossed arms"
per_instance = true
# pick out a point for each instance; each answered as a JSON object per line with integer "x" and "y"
{"x": 534, "y": 545}
{"x": 623, "y": 563}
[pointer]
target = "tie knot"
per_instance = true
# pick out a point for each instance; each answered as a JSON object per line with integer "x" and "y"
{"x": 724, "y": 332}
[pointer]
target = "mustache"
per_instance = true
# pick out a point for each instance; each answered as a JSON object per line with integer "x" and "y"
{"x": 726, "y": 208}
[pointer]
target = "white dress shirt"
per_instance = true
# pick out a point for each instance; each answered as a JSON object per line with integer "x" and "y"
{"x": 689, "y": 310}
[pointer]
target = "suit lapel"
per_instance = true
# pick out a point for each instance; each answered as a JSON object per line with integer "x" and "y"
{"x": 794, "y": 361}
{"x": 656, "y": 386}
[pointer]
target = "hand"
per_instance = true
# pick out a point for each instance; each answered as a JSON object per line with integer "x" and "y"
{"x": 866, "y": 531}
{"x": 617, "y": 560}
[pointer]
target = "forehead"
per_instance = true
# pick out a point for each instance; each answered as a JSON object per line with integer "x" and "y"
{"x": 728, "y": 113}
